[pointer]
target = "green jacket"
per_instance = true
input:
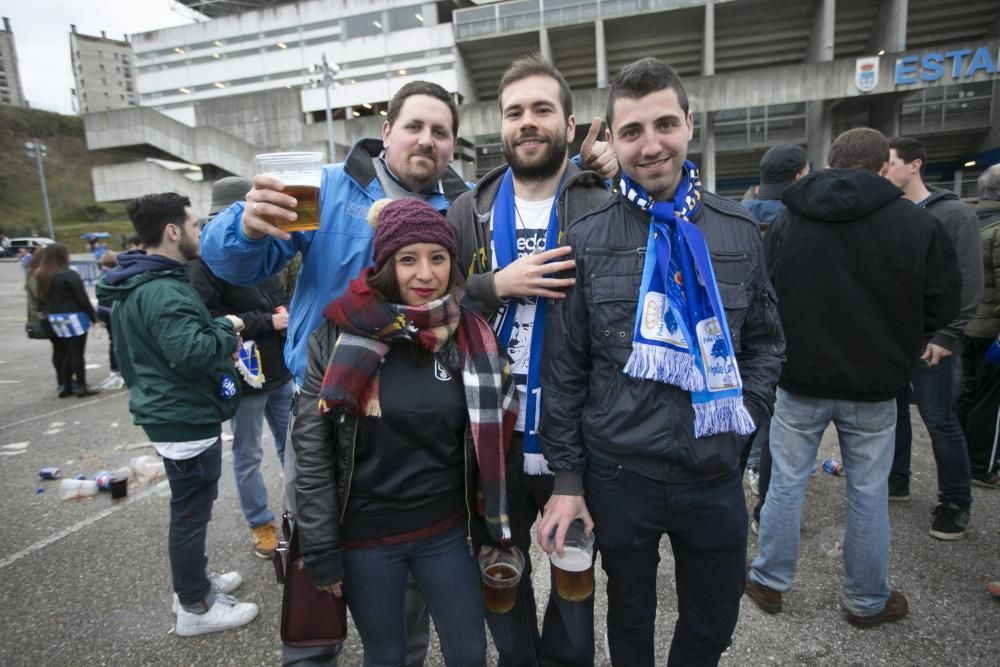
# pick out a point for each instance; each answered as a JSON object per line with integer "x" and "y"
{"x": 174, "y": 357}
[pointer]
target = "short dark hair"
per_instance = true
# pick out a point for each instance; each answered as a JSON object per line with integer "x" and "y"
{"x": 641, "y": 78}
{"x": 385, "y": 283}
{"x": 909, "y": 149}
{"x": 534, "y": 65}
{"x": 860, "y": 148}
{"x": 150, "y": 215}
{"x": 421, "y": 88}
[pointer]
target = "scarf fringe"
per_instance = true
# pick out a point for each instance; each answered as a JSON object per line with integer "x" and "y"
{"x": 535, "y": 465}
{"x": 651, "y": 362}
{"x": 723, "y": 415}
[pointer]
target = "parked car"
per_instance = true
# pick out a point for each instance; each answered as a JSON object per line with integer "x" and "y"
{"x": 27, "y": 242}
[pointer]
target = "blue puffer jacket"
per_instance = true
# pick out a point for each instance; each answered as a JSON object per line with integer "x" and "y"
{"x": 331, "y": 256}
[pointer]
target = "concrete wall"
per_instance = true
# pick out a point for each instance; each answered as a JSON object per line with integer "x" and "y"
{"x": 270, "y": 121}
{"x": 121, "y": 182}
{"x": 138, "y": 126}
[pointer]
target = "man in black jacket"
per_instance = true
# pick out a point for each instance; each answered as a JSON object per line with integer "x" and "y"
{"x": 934, "y": 376}
{"x": 862, "y": 277}
{"x": 258, "y": 308}
{"x": 647, "y": 464}
{"x": 502, "y": 229}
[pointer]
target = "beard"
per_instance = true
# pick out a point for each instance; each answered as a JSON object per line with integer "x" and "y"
{"x": 543, "y": 165}
{"x": 188, "y": 248}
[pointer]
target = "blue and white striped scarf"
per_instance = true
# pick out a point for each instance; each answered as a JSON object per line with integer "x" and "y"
{"x": 679, "y": 302}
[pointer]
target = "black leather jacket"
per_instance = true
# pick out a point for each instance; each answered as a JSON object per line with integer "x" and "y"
{"x": 591, "y": 406}
{"x": 324, "y": 464}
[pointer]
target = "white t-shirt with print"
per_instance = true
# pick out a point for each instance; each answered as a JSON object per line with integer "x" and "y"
{"x": 531, "y": 221}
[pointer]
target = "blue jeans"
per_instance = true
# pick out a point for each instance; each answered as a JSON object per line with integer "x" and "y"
{"x": 448, "y": 577}
{"x": 194, "y": 486}
{"x": 567, "y": 636}
{"x": 866, "y": 432}
{"x": 248, "y": 452}
{"x": 934, "y": 389}
{"x": 706, "y": 521}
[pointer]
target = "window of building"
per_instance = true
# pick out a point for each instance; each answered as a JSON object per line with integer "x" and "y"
{"x": 125, "y": 58}
{"x": 104, "y": 81}
{"x": 116, "y": 56}
{"x": 5, "y": 97}
{"x": 404, "y": 18}
{"x": 102, "y": 67}
{"x": 100, "y": 54}
{"x": 363, "y": 25}
{"x": 121, "y": 97}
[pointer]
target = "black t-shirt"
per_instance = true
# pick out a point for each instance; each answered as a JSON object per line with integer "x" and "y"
{"x": 409, "y": 463}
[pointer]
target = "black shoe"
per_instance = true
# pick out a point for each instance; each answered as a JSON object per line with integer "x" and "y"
{"x": 950, "y": 521}
{"x": 85, "y": 392}
{"x": 987, "y": 480}
{"x": 898, "y": 490}
{"x": 65, "y": 393}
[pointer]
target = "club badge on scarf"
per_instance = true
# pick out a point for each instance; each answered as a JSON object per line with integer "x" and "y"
{"x": 681, "y": 334}
{"x": 505, "y": 246}
{"x": 249, "y": 365}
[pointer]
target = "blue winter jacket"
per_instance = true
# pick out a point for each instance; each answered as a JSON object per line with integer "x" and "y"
{"x": 332, "y": 255}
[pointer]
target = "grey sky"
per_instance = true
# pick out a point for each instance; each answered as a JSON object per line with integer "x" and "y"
{"x": 41, "y": 32}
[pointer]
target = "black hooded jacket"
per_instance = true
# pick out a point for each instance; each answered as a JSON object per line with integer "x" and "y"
{"x": 862, "y": 277}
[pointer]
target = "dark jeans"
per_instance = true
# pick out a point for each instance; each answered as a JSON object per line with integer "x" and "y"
{"x": 448, "y": 577}
{"x": 69, "y": 361}
{"x": 567, "y": 636}
{"x": 418, "y": 621}
{"x": 104, "y": 315}
{"x": 979, "y": 405}
{"x": 706, "y": 521}
{"x": 934, "y": 390}
{"x": 194, "y": 486}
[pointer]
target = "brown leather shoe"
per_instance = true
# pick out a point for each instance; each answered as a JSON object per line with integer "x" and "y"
{"x": 768, "y": 599}
{"x": 895, "y": 609}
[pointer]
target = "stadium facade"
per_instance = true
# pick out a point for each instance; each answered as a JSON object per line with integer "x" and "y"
{"x": 758, "y": 72}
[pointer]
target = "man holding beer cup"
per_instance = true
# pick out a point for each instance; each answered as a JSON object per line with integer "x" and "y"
{"x": 517, "y": 211}
{"x": 656, "y": 366}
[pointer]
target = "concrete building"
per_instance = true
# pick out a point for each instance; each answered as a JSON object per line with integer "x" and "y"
{"x": 11, "y": 91}
{"x": 104, "y": 72}
{"x": 758, "y": 72}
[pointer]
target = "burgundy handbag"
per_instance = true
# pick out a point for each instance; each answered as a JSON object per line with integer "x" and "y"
{"x": 309, "y": 616}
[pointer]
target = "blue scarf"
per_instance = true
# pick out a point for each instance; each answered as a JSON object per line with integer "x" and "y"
{"x": 678, "y": 303}
{"x": 505, "y": 246}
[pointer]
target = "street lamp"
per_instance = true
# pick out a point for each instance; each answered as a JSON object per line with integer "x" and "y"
{"x": 329, "y": 71}
{"x": 37, "y": 150}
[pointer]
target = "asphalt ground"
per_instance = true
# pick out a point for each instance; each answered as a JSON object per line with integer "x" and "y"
{"x": 87, "y": 582}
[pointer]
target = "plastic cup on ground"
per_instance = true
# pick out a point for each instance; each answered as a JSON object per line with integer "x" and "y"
{"x": 75, "y": 489}
{"x": 574, "y": 570}
{"x": 301, "y": 174}
{"x": 500, "y": 571}
{"x": 119, "y": 486}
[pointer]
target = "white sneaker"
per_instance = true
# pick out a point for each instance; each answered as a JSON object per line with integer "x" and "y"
{"x": 226, "y": 613}
{"x": 224, "y": 583}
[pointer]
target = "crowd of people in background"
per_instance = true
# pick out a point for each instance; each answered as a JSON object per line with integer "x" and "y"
{"x": 597, "y": 341}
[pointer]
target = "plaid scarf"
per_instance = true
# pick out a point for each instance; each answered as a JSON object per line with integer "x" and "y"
{"x": 369, "y": 325}
{"x": 681, "y": 332}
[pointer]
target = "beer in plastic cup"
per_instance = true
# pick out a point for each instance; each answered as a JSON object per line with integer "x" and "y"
{"x": 574, "y": 570}
{"x": 74, "y": 489}
{"x": 501, "y": 573}
{"x": 301, "y": 174}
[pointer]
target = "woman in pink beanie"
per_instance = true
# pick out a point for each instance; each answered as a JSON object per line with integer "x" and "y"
{"x": 402, "y": 425}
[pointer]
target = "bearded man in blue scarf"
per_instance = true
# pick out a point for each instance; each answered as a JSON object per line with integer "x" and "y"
{"x": 656, "y": 368}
